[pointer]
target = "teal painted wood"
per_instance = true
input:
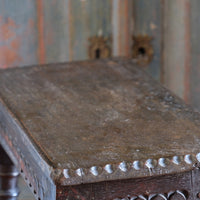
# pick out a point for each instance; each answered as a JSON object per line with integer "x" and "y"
{"x": 46, "y": 31}
{"x": 177, "y": 50}
{"x": 88, "y": 18}
{"x": 18, "y": 33}
{"x": 148, "y": 18}
{"x": 68, "y": 24}
{"x": 194, "y": 79}
{"x": 56, "y": 30}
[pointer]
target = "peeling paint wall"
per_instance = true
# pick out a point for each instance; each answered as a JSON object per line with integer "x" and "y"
{"x": 148, "y": 20}
{"x": 49, "y": 31}
{"x": 18, "y": 33}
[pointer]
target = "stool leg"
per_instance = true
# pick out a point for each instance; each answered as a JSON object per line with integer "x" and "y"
{"x": 8, "y": 178}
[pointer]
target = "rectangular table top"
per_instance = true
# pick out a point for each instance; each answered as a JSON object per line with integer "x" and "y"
{"x": 98, "y": 120}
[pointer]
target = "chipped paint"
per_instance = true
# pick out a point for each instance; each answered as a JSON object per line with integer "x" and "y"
{"x": 9, "y": 43}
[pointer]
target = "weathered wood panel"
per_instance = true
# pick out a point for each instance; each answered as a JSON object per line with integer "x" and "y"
{"x": 61, "y": 29}
{"x": 194, "y": 79}
{"x": 68, "y": 25}
{"x": 18, "y": 33}
{"x": 89, "y": 18}
{"x": 46, "y": 31}
{"x": 177, "y": 49}
{"x": 148, "y": 20}
{"x": 55, "y": 30}
{"x": 122, "y": 27}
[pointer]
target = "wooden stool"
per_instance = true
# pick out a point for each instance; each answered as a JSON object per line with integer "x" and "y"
{"x": 101, "y": 130}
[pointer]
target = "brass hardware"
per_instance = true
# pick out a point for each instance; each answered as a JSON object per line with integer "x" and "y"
{"x": 142, "y": 49}
{"x": 99, "y": 47}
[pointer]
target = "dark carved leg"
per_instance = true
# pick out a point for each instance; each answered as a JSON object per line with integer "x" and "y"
{"x": 8, "y": 178}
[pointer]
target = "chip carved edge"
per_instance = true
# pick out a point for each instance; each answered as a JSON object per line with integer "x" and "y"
{"x": 178, "y": 194}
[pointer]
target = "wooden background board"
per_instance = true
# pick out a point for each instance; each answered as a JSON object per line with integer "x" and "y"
{"x": 18, "y": 33}
{"x": 148, "y": 20}
{"x": 182, "y": 49}
{"x": 35, "y": 32}
{"x": 177, "y": 49}
{"x": 194, "y": 72}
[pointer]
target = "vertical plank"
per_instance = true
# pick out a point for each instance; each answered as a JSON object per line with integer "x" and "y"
{"x": 122, "y": 27}
{"x": 40, "y": 27}
{"x": 18, "y": 33}
{"x": 195, "y": 55}
{"x": 68, "y": 24}
{"x": 55, "y": 30}
{"x": 79, "y": 29}
{"x": 89, "y": 18}
{"x": 176, "y": 54}
{"x": 148, "y": 20}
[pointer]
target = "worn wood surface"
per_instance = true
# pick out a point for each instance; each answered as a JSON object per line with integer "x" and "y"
{"x": 95, "y": 121}
{"x": 82, "y": 116}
